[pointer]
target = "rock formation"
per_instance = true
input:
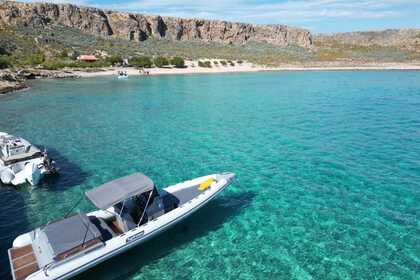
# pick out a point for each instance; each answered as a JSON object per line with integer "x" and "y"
{"x": 15, "y": 80}
{"x": 140, "y": 27}
{"x": 10, "y": 82}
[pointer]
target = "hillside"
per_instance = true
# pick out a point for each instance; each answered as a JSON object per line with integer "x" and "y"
{"x": 56, "y": 42}
{"x": 372, "y": 46}
{"x": 52, "y": 35}
{"x": 139, "y": 27}
{"x": 398, "y": 38}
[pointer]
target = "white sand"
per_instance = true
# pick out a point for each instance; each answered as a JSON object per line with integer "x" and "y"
{"x": 192, "y": 68}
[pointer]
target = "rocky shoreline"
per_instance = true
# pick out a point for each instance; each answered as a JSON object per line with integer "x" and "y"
{"x": 11, "y": 80}
{"x": 6, "y": 86}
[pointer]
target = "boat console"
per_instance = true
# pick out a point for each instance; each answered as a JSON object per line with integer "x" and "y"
{"x": 13, "y": 149}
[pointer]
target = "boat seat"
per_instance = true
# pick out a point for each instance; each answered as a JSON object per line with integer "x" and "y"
{"x": 106, "y": 232}
{"x": 125, "y": 222}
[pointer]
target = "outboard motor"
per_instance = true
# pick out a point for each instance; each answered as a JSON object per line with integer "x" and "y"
{"x": 49, "y": 164}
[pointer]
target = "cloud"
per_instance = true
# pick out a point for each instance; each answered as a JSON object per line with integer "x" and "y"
{"x": 75, "y": 2}
{"x": 243, "y": 10}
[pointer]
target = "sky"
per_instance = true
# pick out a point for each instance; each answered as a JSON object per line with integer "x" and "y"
{"x": 319, "y": 16}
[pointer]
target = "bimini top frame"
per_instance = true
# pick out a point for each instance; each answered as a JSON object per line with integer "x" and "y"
{"x": 119, "y": 190}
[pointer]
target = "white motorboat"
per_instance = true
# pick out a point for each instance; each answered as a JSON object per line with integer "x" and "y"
{"x": 122, "y": 75}
{"x": 21, "y": 162}
{"x": 131, "y": 210}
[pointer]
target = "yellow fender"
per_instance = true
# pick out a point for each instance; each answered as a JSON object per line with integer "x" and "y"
{"x": 206, "y": 184}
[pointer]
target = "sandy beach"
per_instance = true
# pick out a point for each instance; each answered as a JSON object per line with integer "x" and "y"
{"x": 13, "y": 84}
{"x": 192, "y": 68}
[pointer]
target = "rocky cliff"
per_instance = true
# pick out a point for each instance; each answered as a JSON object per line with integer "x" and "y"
{"x": 140, "y": 27}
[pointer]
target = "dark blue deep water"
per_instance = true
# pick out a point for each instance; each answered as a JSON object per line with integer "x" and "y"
{"x": 328, "y": 167}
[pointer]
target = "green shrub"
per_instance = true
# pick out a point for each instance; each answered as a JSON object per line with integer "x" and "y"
{"x": 178, "y": 62}
{"x": 160, "y": 61}
{"x": 35, "y": 59}
{"x": 79, "y": 64}
{"x": 3, "y": 51}
{"x": 63, "y": 54}
{"x": 5, "y": 62}
{"x": 141, "y": 61}
{"x": 205, "y": 64}
{"x": 232, "y": 63}
{"x": 115, "y": 59}
{"x": 215, "y": 62}
{"x": 223, "y": 62}
{"x": 53, "y": 65}
{"x": 73, "y": 54}
{"x": 85, "y": 64}
{"x": 98, "y": 63}
{"x": 75, "y": 64}
{"x": 240, "y": 62}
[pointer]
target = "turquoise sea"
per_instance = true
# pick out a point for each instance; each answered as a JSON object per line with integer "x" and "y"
{"x": 328, "y": 167}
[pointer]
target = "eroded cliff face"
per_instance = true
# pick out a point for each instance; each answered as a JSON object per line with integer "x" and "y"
{"x": 140, "y": 27}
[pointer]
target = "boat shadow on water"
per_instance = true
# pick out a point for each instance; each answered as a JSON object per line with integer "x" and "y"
{"x": 209, "y": 218}
{"x": 13, "y": 214}
{"x": 69, "y": 174}
{"x": 13, "y": 222}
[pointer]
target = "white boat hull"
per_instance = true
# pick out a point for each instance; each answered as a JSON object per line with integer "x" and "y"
{"x": 30, "y": 171}
{"x": 119, "y": 244}
{"x": 27, "y": 165}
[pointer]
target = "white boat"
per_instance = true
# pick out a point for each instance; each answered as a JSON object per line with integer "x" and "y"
{"x": 122, "y": 75}
{"x": 131, "y": 210}
{"x": 21, "y": 162}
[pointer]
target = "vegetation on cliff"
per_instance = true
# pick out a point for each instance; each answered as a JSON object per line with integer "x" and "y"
{"x": 332, "y": 48}
{"x": 60, "y": 45}
{"x": 56, "y": 46}
{"x": 4, "y": 62}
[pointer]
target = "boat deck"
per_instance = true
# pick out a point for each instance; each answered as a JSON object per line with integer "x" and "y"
{"x": 22, "y": 262}
{"x": 33, "y": 152}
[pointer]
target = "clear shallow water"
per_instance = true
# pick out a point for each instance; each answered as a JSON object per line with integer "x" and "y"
{"x": 328, "y": 166}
